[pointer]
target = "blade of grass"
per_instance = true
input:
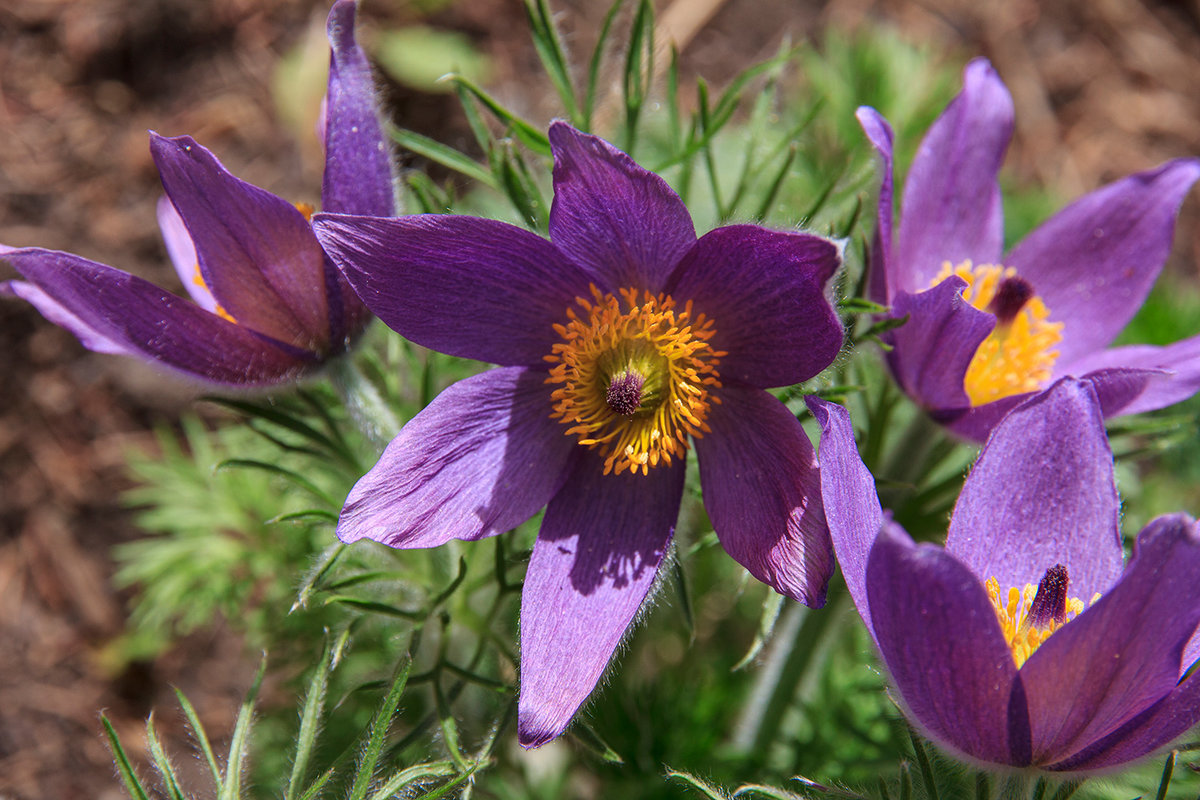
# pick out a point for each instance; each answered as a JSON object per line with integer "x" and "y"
{"x": 310, "y": 720}
{"x": 379, "y": 729}
{"x": 124, "y": 767}
{"x": 442, "y": 154}
{"x": 231, "y": 788}
{"x": 161, "y": 761}
{"x": 193, "y": 721}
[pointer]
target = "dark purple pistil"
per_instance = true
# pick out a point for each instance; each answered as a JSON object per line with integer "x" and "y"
{"x": 1050, "y": 602}
{"x": 1011, "y": 296}
{"x": 624, "y": 395}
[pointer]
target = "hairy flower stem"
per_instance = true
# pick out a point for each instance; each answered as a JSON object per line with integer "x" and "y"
{"x": 370, "y": 414}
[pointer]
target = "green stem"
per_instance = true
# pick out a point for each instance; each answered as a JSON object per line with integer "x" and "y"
{"x": 367, "y": 408}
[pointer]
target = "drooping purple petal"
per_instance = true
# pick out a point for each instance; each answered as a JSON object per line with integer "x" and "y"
{"x": 623, "y": 224}
{"x": 595, "y": 560}
{"x": 940, "y": 640}
{"x": 461, "y": 285}
{"x": 183, "y": 254}
{"x": 256, "y": 251}
{"x": 114, "y": 312}
{"x": 932, "y": 350}
{"x": 879, "y": 133}
{"x": 482, "y": 458}
{"x": 951, "y": 208}
{"x": 1043, "y": 493}
{"x": 1093, "y": 262}
{"x": 358, "y": 165}
{"x": 1158, "y": 376}
{"x": 762, "y": 491}
{"x": 1121, "y": 655}
{"x": 848, "y": 494}
{"x": 765, "y": 292}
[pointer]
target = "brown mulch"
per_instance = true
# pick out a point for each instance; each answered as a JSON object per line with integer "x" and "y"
{"x": 1103, "y": 88}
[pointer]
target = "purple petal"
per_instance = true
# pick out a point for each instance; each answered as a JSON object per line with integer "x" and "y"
{"x": 951, "y": 209}
{"x": 1157, "y": 376}
{"x": 257, "y": 253}
{"x": 466, "y": 286}
{"x": 358, "y": 165}
{"x": 1093, "y": 263}
{"x": 762, "y": 491}
{"x": 620, "y": 222}
{"x": 931, "y": 352}
{"x": 114, "y": 312}
{"x": 482, "y": 458}
{"x": 940, "y": 640}
{"x": 765, "y": 292}
{"x": 848, "y": 494}
{"x": 879, "y": 133}
{"x": 183, "y": 254}
{"x": 595, "y": 561}
{"x": 1122, "y": 655}
{"x": 1043, "y": 493}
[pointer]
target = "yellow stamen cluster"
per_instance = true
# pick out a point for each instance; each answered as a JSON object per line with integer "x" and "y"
{"x": 611, "y": 338}
{"x": 1022, "y": 637}
{"x": 1017, "y": 356}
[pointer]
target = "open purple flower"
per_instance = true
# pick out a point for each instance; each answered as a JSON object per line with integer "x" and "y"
{"x": 1023, "y": 643}
{"x": 268, "y": 305}
{"x": 985, "y": 329}
{"x": 621, "y": 340}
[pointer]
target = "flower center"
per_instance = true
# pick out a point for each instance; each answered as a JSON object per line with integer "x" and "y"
{"x": 634, "y": 377}
{"x": 1028, "y": 617}
{"x": 1018, "y": 355}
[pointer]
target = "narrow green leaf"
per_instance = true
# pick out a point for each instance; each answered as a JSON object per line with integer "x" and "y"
{"x": 312, "y": 791}
{"x": 860, "y": 305}
{"x": 317, "y": 573}
{"x": 586, "y": 735}
{"x": 906, "y": 787}
{"x": 374, "y": 606}
{"x": 379, "y": 729}
{"x": 367, "y": 577}
{"x": 639, "y": 70}
{"x": 1067, "y": 789}
{"x": 392, "y": 786}
{"x": 885, "y": 325}
{"x": 758, "y": 790}
{"x": 931, "y": 789}
{"x": 231, "y": 789}
{"x": 124, "y": 768}
{"x": 307, "y": 515}
{"x": 593, "y": 79}
{"x": 884, "y": 794}
{"x": 983, "y": 786}
{"x": 1168, "y": 771}
{"x": 764, "y": 207}
{"x": 445, "y": 789}
{"x": 193, "y": 721}
{"x": 310, "y": 720}
{"x": 685, "y": 599}
{"x": 766, "y": 624}
{"x": 442, "y": 154}
{"x": 279, "y": 417}
{"x": 454, "y": 584}
{"x": 449, "y": 727}
{"x": 530, "y": 136}
{"x": 549, "y": 49}
{"x": 294, "y": 477}
{"x": 161, "y": 761}
{"x": 704, "y": 787}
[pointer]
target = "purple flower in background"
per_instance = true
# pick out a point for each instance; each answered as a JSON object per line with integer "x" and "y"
{"x": 268, "y": 305}
{"x": 985, "y": 329}
{"x": 620, "y": 339}
{"x": 1024, "y": 643}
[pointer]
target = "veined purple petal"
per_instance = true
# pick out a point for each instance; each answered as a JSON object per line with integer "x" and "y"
{"x": 848, "y": 494}
{"x": 114, "y": 312}
{"x": 482, "y": 458}
{"x": 951, "y": 209}
{"x": 1043, "y": 493}
{"x": 595, "y": 560}
{"x": 931, "y": 352}
{"x": 621, "y": 223}
{"x": 358, "y": 165}
{"x": 1157, "y": 376}
{"x": 1122, "y": 655}
{"x": 879, "y": 133}
{"x": 183, "y": 254}
{"x": 762, "y": 491}
{"x": 256, "y": 251}
{"x": 765, "y": 292}
{"x": 940, "y": 640}
{"x": 1093, "y": 262}
{"x": 461, "y": 285}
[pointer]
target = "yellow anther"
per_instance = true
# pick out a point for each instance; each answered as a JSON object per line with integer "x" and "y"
{"x": 1018, "y": 355}
{"x": 1012, "y": 609}
{"x": 646, "y": 420}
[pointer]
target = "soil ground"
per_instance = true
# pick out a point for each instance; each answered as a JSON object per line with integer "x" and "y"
{"x": 1102, "y": 88}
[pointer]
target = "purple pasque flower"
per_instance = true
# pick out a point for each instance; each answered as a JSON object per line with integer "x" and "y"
{"x": 985, "y": 329}
{"x": 1024, "y": 643}
{"x": 622, "y": 341}
{"x": 267, "y": 305}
